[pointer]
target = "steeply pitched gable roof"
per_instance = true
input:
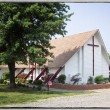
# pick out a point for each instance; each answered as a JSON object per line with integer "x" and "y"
{"x": 66, "y": 47}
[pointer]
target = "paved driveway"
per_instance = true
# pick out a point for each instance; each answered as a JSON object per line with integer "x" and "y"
{"x": 99, "y": 99}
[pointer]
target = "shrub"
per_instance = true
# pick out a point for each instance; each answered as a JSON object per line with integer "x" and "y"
{"x": 29, "y": 81}
{"x": 6, "y": 75}
{"x": 39, "y": 84}
{"x": 61, "y": 78}
{"x": 17, "y": 80}
{"x": 90, "y": 80}
{"x": 6, "y": 81}
{"x": 106, "y": 80}
{"x": 1, "y": 81}
{"x": 99, "y": 79}
{"x": 20, "y": 80}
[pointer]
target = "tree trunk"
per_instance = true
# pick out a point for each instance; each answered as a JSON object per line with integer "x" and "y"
{"x": 11, "y": 67}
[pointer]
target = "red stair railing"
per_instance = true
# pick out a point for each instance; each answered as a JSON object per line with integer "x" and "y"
{"x": 30, "y": 72}
{"x": 20, "y": 72}
{"x": 55, "y": 75}
{"x": 42, "y": 72}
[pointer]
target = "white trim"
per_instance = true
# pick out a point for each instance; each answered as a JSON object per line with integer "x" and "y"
{"x": 104, "y": 47}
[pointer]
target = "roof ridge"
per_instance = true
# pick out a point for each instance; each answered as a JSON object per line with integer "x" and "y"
{"x": 95, "y": 30}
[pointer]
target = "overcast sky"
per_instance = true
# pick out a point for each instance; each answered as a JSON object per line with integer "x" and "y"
{"x": 90, "y": 16}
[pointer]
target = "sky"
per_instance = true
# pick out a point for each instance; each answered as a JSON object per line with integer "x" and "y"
{"x": 90, "y": 16}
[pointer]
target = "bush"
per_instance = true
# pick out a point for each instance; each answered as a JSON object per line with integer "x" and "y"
{"x": 6, "y": 81}
{"x": 20, "y": 80}
{"x": 106, "y": 80}
{"x": 99, "y": 79}
{"x": 39, "y": 84}
{"x": 29, "y": 81}
{"x": 61, "y": 78}
{"x": 6, "y": 75}
{"x": 1, "y": 81}
{"x": 90, "y": 80}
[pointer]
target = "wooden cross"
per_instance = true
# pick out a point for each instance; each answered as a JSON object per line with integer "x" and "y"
{"x": 93, "y": 45}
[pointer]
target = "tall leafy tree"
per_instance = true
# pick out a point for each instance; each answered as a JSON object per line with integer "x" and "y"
{"x": 25, "y": 31}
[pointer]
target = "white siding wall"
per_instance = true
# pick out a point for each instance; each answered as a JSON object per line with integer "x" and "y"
{"x": 17, "y": 71}
{"x": 104, "y": 66}
{"x": 97, "y": 59}
{"x": 3, "y": 70}
{"x": 72, "y": 67}
{"x": 88, "y": 61}
{"x": 100, "y": 64}
{"x": 53, "y": 70}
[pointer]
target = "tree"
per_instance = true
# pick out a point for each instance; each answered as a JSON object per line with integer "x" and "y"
{"x": 25, "y": 31}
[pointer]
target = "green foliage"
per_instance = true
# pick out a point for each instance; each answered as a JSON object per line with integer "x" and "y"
{"x": 29, "y": 81}
{"x": 1, "y": 81}
{"x": 39, "y": 84}
{"x": 6, "y": 81}
{"x": 20, "y": 80}
{"x": 61, "y": 78}
{"x": 27, "y": 28}
{"x": 99, "y": 79}
{"x": 106, "y": 80}
{"x": 6, "y": 75}
{"x": 90, "y": 80}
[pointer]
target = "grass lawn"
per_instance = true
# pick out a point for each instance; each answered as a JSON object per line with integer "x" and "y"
{"x": 23, "y": 94}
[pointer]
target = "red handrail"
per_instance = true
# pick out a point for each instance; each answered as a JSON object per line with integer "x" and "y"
{"x": 42, "y": 72}
{"x": 55, "y": 75}
{"x": 30, "y": 72}
{"x": 20, "y": 72}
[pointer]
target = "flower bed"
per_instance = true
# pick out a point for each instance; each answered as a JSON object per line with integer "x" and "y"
{"x": 80, "y": 87}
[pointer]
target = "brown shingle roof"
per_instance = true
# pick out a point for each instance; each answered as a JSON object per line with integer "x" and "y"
{"x": 66, "y": 47}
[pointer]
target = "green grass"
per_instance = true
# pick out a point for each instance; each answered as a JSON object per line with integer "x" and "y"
{"x": 23, "y": 94}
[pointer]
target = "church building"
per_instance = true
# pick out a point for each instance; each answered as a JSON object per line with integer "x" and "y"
{"x": 83, "y": 53}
